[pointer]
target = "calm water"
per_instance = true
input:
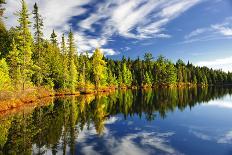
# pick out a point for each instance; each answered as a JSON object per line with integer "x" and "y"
{"x": 160, "y": 121}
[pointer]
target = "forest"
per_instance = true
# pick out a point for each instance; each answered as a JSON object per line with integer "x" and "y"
{"x": 30, "y": 61}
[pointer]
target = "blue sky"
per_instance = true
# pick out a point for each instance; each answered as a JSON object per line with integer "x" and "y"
{"x": 196, "y": 30}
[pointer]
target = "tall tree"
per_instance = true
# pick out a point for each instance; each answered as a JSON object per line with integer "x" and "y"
{"x": 4, "y": 36}
{"x": 38, "y": 27}
{"x": 71, "y": 62}
{"x": 15, "y": 66}
{"x": 1, "y": 7}
{"x": 25, "y": 43}
{"x": 65, "y": 62}
{"x": 99, "y": 68}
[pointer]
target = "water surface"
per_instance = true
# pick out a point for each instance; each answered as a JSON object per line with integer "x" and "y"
{"x": 159, "y": 121}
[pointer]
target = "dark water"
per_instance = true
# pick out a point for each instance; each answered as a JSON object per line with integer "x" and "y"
{"x": 159, "y": 121}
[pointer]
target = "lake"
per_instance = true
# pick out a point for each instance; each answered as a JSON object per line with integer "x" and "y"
{"x": 192, "y": 121}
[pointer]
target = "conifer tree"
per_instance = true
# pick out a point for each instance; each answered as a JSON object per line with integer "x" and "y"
{"x": 15, "y": 66}
{"x": 24, "y": 45}
{"x": 1, "y": 8}
{"x": 71, "y": 62}
{"x": 99, "y": 68}
{"x": 64, "y": 62}
{"x": 4, "y": 38}
{"x": 53, "y": 38}
{"x": 127, "y": 76}
{"x": 38, "y": 27}
{"x": 111, "y": 79}
{"x": 147, "y": 80}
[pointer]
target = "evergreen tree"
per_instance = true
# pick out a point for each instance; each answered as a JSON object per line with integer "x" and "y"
{"x": 99, "y": 68}
{"x": 1, "y": 8}
{"x": 71, "y": 63}
{"x": 111, "y": 79}
{"x": 15, "y": 66}
{"x": 147, "y": 80}
{"x": 53, "y": 38}
{"x": 38, "y": 26}
{"x": 24, "y": 45}
{"x": 65, "y": 62}
{"x": 4, "y": 38}
{"x": 127, "y": 76}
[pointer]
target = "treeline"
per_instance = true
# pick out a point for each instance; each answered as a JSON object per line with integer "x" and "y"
{"x": 29, "y": 60}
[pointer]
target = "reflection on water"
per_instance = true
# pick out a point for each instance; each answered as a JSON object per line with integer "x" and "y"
{"x": 158, "y": 121}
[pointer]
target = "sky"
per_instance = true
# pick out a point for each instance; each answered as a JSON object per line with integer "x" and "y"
{"x": 199, "y": 31}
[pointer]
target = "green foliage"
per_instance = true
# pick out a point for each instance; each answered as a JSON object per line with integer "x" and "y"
{"x": 38, "y": 49}
{"x": 24, "y": 45}
{"x": 15, "y": 66}
{"x": 165, "y": 72}
{"x": 53, "y": 38}
{"x": 126, "y": 75}
{"x": 71, "y": 62}
{"x": 5, "y": 81}
{"x": 64, "y": 63}
{"x": 111, "y": 79}
{"x": 99, "y": 68}
{"x": 147, "y": 80}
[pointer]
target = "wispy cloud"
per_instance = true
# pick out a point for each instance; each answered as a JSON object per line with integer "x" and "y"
{"x": 226, "y": 139}
{"x": 213, "y": 32}
{"x": 137, "y": 19}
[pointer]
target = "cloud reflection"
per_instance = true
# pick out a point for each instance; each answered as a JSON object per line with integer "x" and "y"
{"x": 137, "y": 142}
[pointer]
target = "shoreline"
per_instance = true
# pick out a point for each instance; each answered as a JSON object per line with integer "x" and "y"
{"x": 37, "y": 95}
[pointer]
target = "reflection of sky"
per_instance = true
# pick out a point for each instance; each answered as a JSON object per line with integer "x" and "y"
{"x": 204, "y": 129}
{"x": 124, "y": 138}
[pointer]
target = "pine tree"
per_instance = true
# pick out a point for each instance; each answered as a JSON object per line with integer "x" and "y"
{"x": 65, "y": 62}
{"x": 71, "y": 63}
{"x": 53, "y": 38}
{"x": 127, "y": 76}
{"x": 15, "y": 66}
{"x": 1, "y": 8}
{"x": 99, "y": 68}
{"x": 111, "y": 79}
{"x": 38, "y": 26}
{"x": 24, "y": 45}
{"x": 147, "y": 80}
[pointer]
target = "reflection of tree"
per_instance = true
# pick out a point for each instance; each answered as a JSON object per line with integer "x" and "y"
{"x": 60, "y": 121}
{"x": 4, "y": 130}
{"x": 72, "y": 125}
{"x": 100, "y": 113}
{"x": 19, "y": 140}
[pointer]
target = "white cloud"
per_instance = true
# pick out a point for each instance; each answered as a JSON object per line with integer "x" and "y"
{"x": 56, "y": 13}
{"x": 141, "y": 142}
{"x": 226, "y": 31}
{"x": 223, "y": 63}
{"x": 226, "y": 139}
{"x": 213, "y": 32}
{"x": 138, "y": 19}
{"x": 201, "y": 135}
{"x": 195, "y": 33}
{"x": 108, "y": 51}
